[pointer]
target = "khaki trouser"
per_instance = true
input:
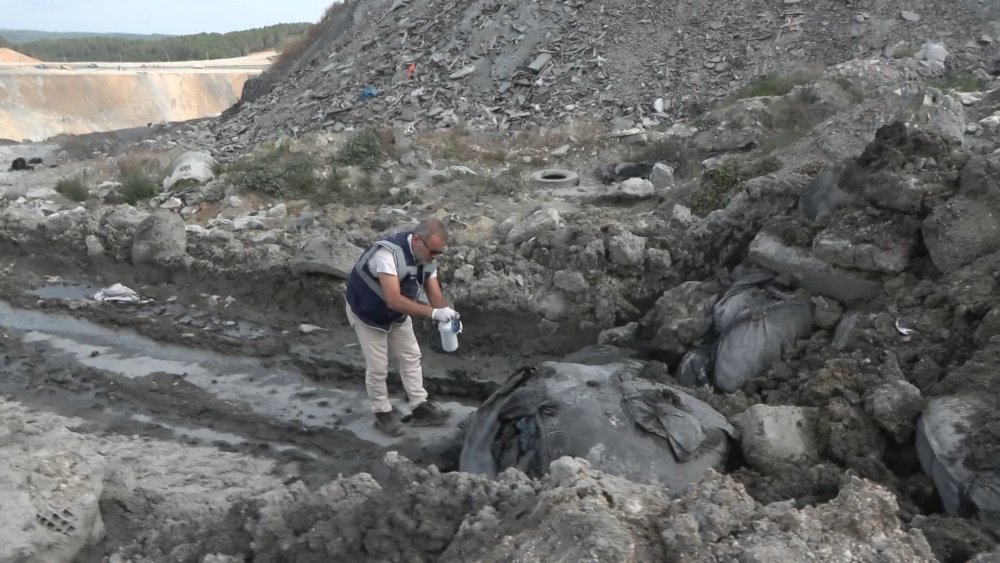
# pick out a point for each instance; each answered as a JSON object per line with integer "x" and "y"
{"x": 376, "y": 345}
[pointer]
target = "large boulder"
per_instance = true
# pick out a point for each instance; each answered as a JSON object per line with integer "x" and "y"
{"x": 606, "y": 414}
{"x": 959, "y": 231}
{"x": 541, "y": 221}
{"x": 323, "y": 255}
{"x": 814, "y": 274}
{"x": 771, "y": 436}
{"x": 868, "y": 241}
{"x": 159, "y": 238}
{"x": 681, "y": 317}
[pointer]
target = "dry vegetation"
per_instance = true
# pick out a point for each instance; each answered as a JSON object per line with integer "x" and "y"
{"x": 73, "y": 188}
{"x": 291, "y": 52}
{"x": 461, "y": 145}
{"x": 349, "y": 175}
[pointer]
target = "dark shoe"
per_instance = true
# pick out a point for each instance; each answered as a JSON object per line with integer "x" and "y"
{"x": 388, "y": 423}
{"x": 428, "y": 413}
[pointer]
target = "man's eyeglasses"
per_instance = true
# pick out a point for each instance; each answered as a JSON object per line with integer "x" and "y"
{"x": 433, "y": 252}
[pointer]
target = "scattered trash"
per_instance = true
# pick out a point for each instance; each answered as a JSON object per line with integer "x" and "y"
{"x": 116, "y": 293}
{"x": 308, "y": 328}
{"x": 903, "y": 330}
{"x": 368, "y": 92}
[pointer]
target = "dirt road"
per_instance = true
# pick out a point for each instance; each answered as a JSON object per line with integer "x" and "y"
{"x": 232, "y": 376}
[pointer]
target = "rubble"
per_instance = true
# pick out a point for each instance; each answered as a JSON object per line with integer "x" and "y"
{"x": 515, "y": 66}
{"x": 826, "y": 291}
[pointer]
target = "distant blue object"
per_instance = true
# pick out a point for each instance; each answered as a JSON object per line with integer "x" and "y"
{"x": 368, "y": 92}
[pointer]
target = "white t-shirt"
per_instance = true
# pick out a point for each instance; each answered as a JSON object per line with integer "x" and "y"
{"x": 384, "y": 261}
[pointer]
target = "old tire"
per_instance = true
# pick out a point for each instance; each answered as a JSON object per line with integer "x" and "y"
{"x": 554, "y": 178}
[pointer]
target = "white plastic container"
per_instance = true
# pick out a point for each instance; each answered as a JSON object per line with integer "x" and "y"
{"x": 449, "y": 334}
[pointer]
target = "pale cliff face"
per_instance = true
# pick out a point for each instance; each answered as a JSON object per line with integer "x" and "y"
{"x": 38, "y": 105}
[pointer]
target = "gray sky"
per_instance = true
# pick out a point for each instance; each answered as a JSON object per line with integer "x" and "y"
{"x": 173, "y": 17}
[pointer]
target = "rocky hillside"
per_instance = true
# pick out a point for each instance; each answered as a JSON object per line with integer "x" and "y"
{"x": 512, "y": 65}
{"x": 788, "y": 210}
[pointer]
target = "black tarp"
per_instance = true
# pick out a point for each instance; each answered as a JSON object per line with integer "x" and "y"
{"x": 941, "y": 431}
{"x": 620, "y": 423}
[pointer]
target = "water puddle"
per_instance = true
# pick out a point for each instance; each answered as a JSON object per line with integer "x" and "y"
{"x": 65, "y": 291}
{"x": 275, "y": 393}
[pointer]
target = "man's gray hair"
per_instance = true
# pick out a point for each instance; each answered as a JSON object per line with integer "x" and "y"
{"x": 430, "y": 227}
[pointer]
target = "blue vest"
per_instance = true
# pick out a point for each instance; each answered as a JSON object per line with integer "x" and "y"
{"x": 364, "y": 292}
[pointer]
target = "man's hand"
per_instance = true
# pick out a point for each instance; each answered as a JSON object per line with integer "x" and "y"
{"x": 444, "y": 314}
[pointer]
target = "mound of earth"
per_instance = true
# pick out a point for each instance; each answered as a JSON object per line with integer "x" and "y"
{"x": 11, "y": 56}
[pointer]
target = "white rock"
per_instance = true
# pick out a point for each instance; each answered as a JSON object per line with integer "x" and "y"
{"x": 636, "y": 188}
{"x": 248, "y": 223}
{"x": 682, "y": 130}
{"x": 969, "y": 98}
{"x": 662, "y": 176}
{"x": 543, "y": 220}
{"x": 172, "y": 203}
{"x": 991, "y": 123}
{"x": 465, "y": 273}
{"x": 932, "y": 55}
{"x": 772, "y": 435}
{"x": 561, "y": 151}
{"x": 94, "y": 246}
{"x": 278, "y": 211}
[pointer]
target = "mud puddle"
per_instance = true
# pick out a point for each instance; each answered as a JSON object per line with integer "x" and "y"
{"x": 64, "y": 290}
{"x": 270, "y": 393}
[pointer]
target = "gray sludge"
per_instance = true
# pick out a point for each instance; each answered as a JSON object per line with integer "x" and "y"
{"x": 620, "y": 423}
{"x": 693, "y": 370}
{"x": 965, "y": 492}
{"x": 756, "y": 340}
{"x": 755, "y": 322}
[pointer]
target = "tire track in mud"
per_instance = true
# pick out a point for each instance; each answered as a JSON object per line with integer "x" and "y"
{"x": 121, "y": 382}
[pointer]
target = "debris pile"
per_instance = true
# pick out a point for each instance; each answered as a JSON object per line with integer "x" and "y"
{"x": 510, "y": 65}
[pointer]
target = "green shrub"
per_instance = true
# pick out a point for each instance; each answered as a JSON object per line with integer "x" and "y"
{"x": 507, "y": 182}
{"x": 718, "y": 185}
{"x": 903, "y": 51}
{"x": 73, "y": 189}
{"x": 138, "y": 176}
{"x": 139, "y": 166}
{"x": 959, "y": 81}
{"x": 365, "y": 190}
{"x": 363, "y": 149}
{"x": 138, "y": 187}
{"x": 277, "y": 172}
{"x": 768, "y": 85}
